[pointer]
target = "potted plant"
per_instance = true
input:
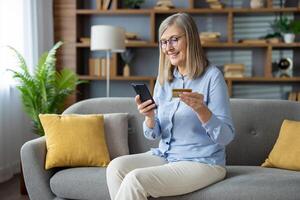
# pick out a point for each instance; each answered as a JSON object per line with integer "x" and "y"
{"x": 287, "y": 28}
{"x": 46, "y": 90}
{"x": 133, "y": 4}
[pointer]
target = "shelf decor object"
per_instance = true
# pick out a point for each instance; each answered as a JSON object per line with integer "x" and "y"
{"x": 287, "y": 28}
{"x": 109, "y": 39}
{"x": 257, "y": 3}
{"x": 127, "y": 56}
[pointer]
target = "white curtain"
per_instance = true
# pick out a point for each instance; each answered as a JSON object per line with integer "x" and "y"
{"x": 26, "y": 25}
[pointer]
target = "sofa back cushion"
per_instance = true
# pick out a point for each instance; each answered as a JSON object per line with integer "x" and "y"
{"x": 257, "y": 124}
{"x": 136, "y": 140}
{"x": 116, "y": 134}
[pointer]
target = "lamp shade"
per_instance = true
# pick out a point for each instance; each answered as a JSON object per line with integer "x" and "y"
{"x": 104, "y": 37}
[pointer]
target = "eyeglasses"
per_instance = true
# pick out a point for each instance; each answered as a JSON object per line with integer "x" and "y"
{"x": 173, "y": 41}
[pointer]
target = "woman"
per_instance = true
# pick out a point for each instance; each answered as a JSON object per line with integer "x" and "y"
{"x": 193, "y": 129}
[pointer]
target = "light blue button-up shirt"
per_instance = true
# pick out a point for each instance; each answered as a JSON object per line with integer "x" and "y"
{"x": 182, "y": 135}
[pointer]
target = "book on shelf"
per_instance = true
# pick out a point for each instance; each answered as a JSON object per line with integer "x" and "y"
{"x": 106, "y": 4}
{"x": 208, "y": 37}
{"x": 103, "y": 4}
{"x": 103, "y": 66}
{"x": 212, "y": 1}
{"x": 135, "y": 41}
{"x": 292, "y": 96}
{"x": 233, "y": 74}
{"x": 164, "y": 5}
{"x": 85, "y": 40}
{"x": 253, "y": 41}
{"x": 97, "y": 67}
{"x": 234, "y": 67}
{"x": 210, "y": 34}
{"x": 209, "y": 40}
{"x": 215, "y": 4}
{"x": 131, "y": 36}
{"x": 234, "y": 70}
{"x": 94, "y": 67}
{"x": 99, "y": 4}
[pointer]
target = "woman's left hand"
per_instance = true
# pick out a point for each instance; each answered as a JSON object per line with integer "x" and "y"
{"x": 196, "y": 102}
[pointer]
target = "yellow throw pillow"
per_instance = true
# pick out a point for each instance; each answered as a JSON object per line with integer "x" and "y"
{"x": 286, "y": 151}
{"x": 75, "y": 140}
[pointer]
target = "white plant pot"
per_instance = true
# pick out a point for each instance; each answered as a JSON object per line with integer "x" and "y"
{"x": 289, "y": 37}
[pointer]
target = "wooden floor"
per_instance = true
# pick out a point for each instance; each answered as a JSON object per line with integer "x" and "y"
{"x": 10, "y": 190}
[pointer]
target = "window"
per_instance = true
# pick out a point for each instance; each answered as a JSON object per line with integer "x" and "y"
{"x": 11, "y": 33}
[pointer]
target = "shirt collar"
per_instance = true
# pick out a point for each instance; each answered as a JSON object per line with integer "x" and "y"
{"x": 176, "y": 74}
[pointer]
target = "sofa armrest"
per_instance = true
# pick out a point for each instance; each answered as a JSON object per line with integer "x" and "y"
{"x": 37, "y": 179}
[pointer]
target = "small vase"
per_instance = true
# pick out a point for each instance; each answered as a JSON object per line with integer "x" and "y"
{"x": 289, "y": 37}
{"x": 126, "y": 70}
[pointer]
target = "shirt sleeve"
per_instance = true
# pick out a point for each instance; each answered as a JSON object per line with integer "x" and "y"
{"x": 219, "y": 127}
{"x": 155, "y": 132}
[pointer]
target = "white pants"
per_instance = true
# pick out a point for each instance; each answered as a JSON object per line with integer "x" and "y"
{"x": 138, "y": 176}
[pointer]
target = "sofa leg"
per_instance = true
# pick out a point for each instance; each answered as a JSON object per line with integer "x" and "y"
{"x": 23, "y": 190}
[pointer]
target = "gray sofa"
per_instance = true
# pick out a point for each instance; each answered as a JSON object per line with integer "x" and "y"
{"x": 257, "y": 124}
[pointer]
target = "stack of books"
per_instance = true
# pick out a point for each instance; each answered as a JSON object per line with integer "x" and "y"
{"x": 253, "y": 41}
{"x": 103, "y": 4}
{"x": 85, "y": 40}
{"x": 215, "y": 4}
{"x": 210, "y": 37}
{"x": 97, "y": 67}
{"x": 133, "y": 38}
{"x": 294, "y": 96}
{"x": 234, "y": 70}
{"x": 164, "y": 5}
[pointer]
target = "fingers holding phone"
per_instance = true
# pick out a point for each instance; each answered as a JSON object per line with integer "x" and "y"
{"x": 146, "y": 108}
{"x": 144, "y": 100}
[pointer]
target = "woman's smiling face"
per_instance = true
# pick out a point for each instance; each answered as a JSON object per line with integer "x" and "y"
{"x": 173, "y": 44}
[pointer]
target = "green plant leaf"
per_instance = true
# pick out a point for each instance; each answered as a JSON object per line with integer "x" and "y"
{"x": 285, "y": 25}
{"x": 46, "y": 90}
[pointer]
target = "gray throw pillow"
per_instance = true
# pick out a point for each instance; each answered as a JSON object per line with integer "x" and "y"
{"x": 116, "y": 133}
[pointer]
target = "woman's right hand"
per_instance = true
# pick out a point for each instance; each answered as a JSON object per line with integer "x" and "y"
{"x": 146, "y": 108}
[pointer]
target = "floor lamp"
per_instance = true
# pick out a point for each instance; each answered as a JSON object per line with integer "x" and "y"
{"x": 110, "y": 39}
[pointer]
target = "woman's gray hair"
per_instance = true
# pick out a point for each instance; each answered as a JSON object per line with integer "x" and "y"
{"x": 196, "y": 61}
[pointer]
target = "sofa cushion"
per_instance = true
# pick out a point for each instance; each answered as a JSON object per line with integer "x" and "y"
{"x": 75, "y": 140}
{"x": 116, "y": 134}
{"x": 242, "y": 182}
{"x": 249, "y": 182}
{"x": 286, "y": 151}
{"x": 80, "y": 183}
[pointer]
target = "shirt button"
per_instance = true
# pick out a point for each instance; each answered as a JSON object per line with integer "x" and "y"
{"x": 167, "y": 142}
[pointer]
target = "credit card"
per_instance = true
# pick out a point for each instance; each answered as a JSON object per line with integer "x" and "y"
{"x": 176, "y": 92}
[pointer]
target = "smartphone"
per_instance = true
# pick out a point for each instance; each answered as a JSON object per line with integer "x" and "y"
{"x": 142, "y": 90}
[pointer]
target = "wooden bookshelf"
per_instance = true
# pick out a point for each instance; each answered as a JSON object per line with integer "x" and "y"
{"x": 68, "y": 15}
{"x": 132, "y": 45}
{"x": 190, "y": 11}
{"x": 215, "y": 45}
{"x": 113, "y": 12}
{"x": 118, "y": 78}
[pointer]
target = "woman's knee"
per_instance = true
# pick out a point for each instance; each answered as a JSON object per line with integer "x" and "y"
{"x": 136, "y": 176}
{"x": 116, "y": 165}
